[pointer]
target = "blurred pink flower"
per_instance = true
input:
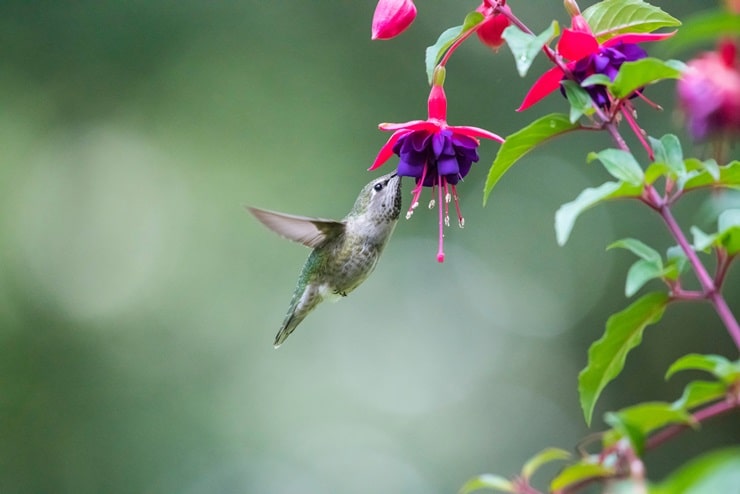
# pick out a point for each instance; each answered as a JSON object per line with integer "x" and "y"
{"x": 709, "y": 92}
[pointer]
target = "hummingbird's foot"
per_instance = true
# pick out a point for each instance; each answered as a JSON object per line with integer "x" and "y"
{"x": 340, "y": 292}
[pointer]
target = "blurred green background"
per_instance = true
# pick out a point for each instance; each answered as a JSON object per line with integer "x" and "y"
{"x": 139, "y": 301}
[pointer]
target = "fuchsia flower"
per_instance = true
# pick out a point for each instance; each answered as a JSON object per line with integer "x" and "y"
{"x": 587, "y": 57}
{"x": 490, "y": 29}
{"x": 709, "y": 93}
{"x": 435, "y": 154}
{"x": 392, "y": 17}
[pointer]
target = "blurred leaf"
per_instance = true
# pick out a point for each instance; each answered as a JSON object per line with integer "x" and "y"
{"x": 596, "y": 80}
{"x": 487, "y": 481}
{"x": 698, "y": 29}
{"x": 702, "y": 241}
{"x": 566, "y": 215}
{"x": 668, "y": 150}
{"x": 621, "y": 430}
{"x": 611, "y": 17}
{"x": 716, "y": 365}
{"x": 729, "y": 176}
{"x": 523, "y": 141}
{"x": 638, "y": 248}
{"x": 676, "y": 263}
{"x": 727, "y": 238}
{"x": 525, "y": 46}
{"x": 715, "y": 472}
{"x": 640, "y": 273}
{"x": 638, "y": 421}
{"x": 656, "y": 170}
{"x": 640, "y": 73}
{"x": 580, "y": 472}
{"x": 729, "y": 230}
{"x": 607, "y": 355}
{"x": 649, "y": 267}
{"x": 579, "y": 99}
{"x": 620, "y": 164}
{"x": 698, "y": 393}
{"x": 545, "y": 456}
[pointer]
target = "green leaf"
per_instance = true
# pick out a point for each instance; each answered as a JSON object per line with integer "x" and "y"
{"x": 638, "y": 248}
{"x": 435, "y": 52}
{"x": 700, "y": 28}
{"x": 640, "y": 73}
{"x": 611, "y": 17}
{"x": 668, "y": 151}
{"x": 727, "y": 238}
{"x": 596, "y": 80}
{"x": 702, "y": 241}
{"x": 621, "y": 430}
{"x": 523, "y": 141}
{"x": 712, "y": 168}
{"x": 697, "y": 393}
{"x": 607, "y": 355}
{"x": 729, "y": 176}
{"x": 656, "y": 170}
{"x": 545, "y": 456}
{"x": 729, "y": 230}
{"x": 487, "y": 481}
{"x": 566, "y": 215}
{"x": 640, "y": 273}
{"x": 715, "y": 472}
{"x": 649, "y": 267}
{"x": 620, "y": 164}
{"x": 580, "y": 472}
{"x": 579, "y": 99}
{"x": 525, "y": 47}
{"x": 636, "y": 422}
{"x": 716, "y": 365}
{"x": 676, "y": 263}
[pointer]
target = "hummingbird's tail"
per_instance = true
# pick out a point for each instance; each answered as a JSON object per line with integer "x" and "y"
{"x": 291, "y": 322}
{"x": 300, "y": 306}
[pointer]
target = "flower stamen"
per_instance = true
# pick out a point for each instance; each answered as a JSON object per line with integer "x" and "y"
{"x": 440, "y": 249}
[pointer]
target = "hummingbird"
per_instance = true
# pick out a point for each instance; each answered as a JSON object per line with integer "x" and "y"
{"x": 344, "y": 252}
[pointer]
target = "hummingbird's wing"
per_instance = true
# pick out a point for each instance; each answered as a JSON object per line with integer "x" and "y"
{"x": 310, "y": 232}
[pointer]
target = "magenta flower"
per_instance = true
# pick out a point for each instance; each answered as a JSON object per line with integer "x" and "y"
{"x": 392, "y": 17}
{"x": 709, "y": 93}
{"x": 587, "y": 57}
{"x": 435, "y": 154}
{"x": 490, "y": 29}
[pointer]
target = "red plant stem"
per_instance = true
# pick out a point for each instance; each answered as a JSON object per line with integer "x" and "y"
{"x": 712, "y": 293}
{"x": 669, "y": 432}
{"x": 457, "y": 43}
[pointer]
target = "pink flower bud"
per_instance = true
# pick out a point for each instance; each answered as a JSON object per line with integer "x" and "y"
{"x": 578, "y": 23}
{"x": 392, "y": 17}
{"x": 489, "y": 31}
{"x": 572, "y": 8}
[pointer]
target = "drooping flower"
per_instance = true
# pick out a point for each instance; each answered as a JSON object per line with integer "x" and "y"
{"x": 490, "y": 29}
{"x": 709, "y": 93}
{"x": 586, "y": 56}
{"x": 435, "y": 154}
{"x": 392, "y": 17}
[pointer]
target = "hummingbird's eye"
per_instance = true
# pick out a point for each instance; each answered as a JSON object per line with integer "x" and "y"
{"x": 379, "y": 186}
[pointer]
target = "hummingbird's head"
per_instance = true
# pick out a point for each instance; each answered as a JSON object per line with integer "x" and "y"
{"x": 380, "y": 199}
